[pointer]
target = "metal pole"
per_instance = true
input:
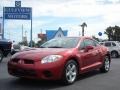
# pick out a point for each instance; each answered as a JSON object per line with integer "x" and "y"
{"x": 31, "y": 30}
{"x": 79, "y": 33}
{"x": 83, "y": 31}
{"x": 22, "y": 32}
{"x": 3, "y": 25}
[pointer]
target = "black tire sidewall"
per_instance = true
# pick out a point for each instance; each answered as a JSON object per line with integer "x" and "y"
{"x": 102, "y": 69}
{"x": 1, "y": 56}
{"x": 115, "y": 52}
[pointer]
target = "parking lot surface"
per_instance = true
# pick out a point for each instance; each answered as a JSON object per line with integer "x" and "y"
{"x": 89, "y": 81}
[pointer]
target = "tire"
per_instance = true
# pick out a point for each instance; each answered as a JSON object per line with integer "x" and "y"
{"x": 1, "y": 56}
{"x": 114, "y": 54}
{"x": 70, "y": 72}
{"x": 106, "y": 65}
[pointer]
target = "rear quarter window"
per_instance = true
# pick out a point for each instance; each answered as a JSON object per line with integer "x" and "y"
{"x": 102, "y": 43}
{"x": 113, "y": 44}
{"x": 107, "y": 44}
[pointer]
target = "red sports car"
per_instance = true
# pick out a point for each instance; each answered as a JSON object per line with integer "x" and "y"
{"x": 60, "y": 59}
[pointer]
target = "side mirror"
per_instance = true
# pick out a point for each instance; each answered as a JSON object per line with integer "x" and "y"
{"x": 87, "y": 48}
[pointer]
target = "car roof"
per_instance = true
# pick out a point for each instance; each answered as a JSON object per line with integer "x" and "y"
{"x": 109, "y": 41}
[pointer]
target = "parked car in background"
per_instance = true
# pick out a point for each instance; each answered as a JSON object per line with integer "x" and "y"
{"x": 5, "y": 48}
{"x": 60, "y": 59}
{"x": 114, "y": 47}
{"x": 16, "y": 48}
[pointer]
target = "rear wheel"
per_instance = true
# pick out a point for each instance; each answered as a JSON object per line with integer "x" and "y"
{"x": 114, "y": 54}
{"x": 70, "y": 72}
{"x": 1, "y": 56}
{"x": 106, "y": 65}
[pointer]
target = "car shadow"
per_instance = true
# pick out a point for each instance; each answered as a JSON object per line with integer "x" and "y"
{"x": 88, "y": 75}
{"x": 36, "y": 84}
{"x": 23, "y": 84}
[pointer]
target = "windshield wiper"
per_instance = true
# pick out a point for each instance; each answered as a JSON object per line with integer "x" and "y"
{"x": 55, "y": 47}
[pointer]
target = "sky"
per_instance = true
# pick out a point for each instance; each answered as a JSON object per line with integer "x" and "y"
{"x": 67, "y": 14}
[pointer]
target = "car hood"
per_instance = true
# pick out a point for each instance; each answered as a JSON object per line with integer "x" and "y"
{"x": 38, "y": 53}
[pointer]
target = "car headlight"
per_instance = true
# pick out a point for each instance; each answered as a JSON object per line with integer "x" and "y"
{"x": 50, "y": 58}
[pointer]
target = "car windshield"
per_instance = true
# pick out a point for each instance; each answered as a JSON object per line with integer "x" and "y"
{"x": 61, "y": 43}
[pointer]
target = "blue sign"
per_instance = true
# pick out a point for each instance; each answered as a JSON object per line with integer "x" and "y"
{"x": 100, "y": 33}
{"x": 17, "y": 16}
{"x": 17, "y": 13}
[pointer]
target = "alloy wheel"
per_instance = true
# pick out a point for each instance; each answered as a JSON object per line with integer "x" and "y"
{"x": 71, "y": 72}
{"x": 107, "y": 64}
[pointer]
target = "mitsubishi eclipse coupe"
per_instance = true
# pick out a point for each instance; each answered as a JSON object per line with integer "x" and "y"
{"x": 60, "y": 59}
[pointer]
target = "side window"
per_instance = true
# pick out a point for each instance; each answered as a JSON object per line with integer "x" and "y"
{"x": 108, "y": 44}
{"x": 113, "y": 44}
{"x": 89, "y": 42}
{"x": 82, "y": 45}
{"x": 102, "y": 43}
{"x": 96, "y": 43}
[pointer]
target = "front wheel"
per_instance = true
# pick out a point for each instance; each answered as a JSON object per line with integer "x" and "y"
{"x": 70, "y": 72}
{"x": 1, "y": 56}
{"x": 114, "y": 54}
{"x": 106, "y": 65}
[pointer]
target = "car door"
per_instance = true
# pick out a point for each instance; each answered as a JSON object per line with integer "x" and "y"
{"x": 88, "y": 58}
{"x": 109, "y": 45}
{"x": 114, "y": 46}
{"x": 98, "y": 56}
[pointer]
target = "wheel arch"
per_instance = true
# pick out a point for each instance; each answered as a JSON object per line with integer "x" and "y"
{"x": 109, "y": 55}
{"x": 116, "y": 52}
{"x": 76, "y": 60}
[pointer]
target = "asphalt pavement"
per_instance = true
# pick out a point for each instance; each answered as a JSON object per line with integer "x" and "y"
{"x": 89, "y": 81}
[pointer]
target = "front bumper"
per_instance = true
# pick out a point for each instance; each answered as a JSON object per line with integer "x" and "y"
{"x": 50, "y": 71}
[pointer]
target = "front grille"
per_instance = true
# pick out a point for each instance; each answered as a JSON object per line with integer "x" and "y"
{"x": 28, "y": 62}
{"x": 23, "y": 61}
{"x": 22, "y": 72}
{"x": 15, "y": 60}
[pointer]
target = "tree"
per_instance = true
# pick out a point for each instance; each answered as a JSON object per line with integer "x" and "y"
{"x": 113, "y": 33}
{"x": 117, "y": 33}
{"x": 97, "y": 39}
{"x": 33, "y": 43}
{"x": 39, "y": 43}
{"x": 109, "y": 32}
{"x": 83, "y": 26}
{"x": 25, "y": 43}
